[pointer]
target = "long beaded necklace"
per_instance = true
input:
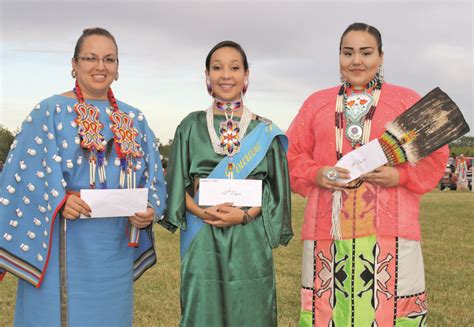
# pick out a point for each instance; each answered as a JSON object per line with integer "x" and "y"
{"x": 359, "y": 123}
{"x": 231, "y": 132}
{"x": 90, "y": 128}
{"x": 358, "y": 110}
{"x": 92, "y": 140}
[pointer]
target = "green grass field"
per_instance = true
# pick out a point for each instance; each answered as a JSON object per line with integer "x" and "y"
{"x": 447, "y": 220}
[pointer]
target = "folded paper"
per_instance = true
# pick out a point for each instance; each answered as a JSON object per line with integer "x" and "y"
{"x": 241, "y": 192}
{"x": 107, "y": 203}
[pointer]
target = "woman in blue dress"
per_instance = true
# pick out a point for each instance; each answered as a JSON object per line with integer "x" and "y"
{"x": 79, "y": 272}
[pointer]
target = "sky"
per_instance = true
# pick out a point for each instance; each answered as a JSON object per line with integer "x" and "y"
{"x": 292, "y": 47}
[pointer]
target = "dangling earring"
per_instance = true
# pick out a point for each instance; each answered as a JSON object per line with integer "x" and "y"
{"x": 380, "y": 74}
{"x": 116, "y": 76}
{"x": 209, "y": 87}
{"x": 246, "y": 86}
{"x": 342, "y": 79}
{"x": 73, "y": 73}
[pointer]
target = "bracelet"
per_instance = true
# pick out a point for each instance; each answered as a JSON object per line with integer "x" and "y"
{"x": 356, "y": 185}
{"x": 247, "y": 218}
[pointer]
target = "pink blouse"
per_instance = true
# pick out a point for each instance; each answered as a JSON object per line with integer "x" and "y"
{"x": 371, "y": 209}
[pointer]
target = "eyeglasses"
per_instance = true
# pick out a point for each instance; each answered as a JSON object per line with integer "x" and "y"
{"x": 109, "y": 60}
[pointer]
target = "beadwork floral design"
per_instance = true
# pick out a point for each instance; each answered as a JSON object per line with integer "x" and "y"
{"x": 229, "y": 137}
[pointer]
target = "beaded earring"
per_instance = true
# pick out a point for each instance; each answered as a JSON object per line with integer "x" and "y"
{"x": 380, "y": 74}
{"x": 73, "y": 73}
{"x": 342, "y": 79}
{"x": 246, "y": 86}
{"x": 208, "y": 86}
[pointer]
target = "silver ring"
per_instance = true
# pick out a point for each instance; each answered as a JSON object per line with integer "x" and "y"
{"x": 332, "y": 175}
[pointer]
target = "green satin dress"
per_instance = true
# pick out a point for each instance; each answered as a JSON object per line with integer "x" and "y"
{"x": 227, "y": 274}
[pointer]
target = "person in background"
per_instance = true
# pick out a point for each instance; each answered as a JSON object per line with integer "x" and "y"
{"x": 461, "y": 173}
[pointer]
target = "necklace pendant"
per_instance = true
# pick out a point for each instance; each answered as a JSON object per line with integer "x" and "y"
{"x": 89, "y": 126}
{"x": 229, "y": 171}
{"x": 357, "y": 106}
{"x": 125, "y": 134}
{"x": 229, "y": 137}
{"x": 354, "y": 133}
{"x": 227, "y": 140}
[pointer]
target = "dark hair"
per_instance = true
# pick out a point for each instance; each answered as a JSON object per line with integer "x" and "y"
{"x": 227, "y": 44}
{"x": 365, "y": 28}
{"x": 92, "y": 31}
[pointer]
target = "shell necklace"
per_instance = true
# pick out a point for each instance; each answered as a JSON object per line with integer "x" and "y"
{"x": 231, "y": 132}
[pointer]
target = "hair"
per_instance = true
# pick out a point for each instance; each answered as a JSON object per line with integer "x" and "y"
{"x": 92, "y": 31}
{"x": 365, "y": 28}
{"x": 227, "y": 44}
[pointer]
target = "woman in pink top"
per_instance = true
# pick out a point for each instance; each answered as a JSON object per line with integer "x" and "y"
{"x": 374, "y": 275}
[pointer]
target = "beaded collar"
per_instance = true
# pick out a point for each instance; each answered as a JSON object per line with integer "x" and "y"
{"x": 228, "y": 106}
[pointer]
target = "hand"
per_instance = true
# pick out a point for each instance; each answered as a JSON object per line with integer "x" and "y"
{"x": 223, "y": 215}
{"x": 142, "y": 219}
{"x": 324, "y": 182}
{"x": 74, "y": 207}
{"x": 385, "y": 176}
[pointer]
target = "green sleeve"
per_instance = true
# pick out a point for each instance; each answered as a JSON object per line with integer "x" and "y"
{"x": 276, "y": 204}
{"x": 177, "y": 179}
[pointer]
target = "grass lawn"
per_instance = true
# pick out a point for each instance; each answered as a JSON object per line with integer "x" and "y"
{"x": 447, "y": 220}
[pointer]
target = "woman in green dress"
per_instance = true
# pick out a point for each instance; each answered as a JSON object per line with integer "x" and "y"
{"x": 227, "y": 270}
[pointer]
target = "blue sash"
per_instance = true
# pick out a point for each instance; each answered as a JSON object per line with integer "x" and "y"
{"x": 252, "y": 151}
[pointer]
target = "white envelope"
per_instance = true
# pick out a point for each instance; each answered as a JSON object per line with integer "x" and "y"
{"x": 106, "y": 203}
{"x": 363, "y": 160}
{"x": 241, "y": 192}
